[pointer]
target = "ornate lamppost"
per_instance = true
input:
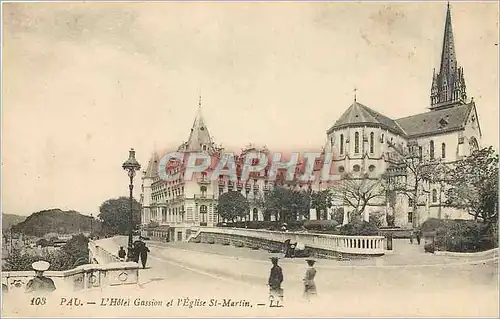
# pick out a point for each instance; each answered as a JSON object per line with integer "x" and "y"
{"x": 131, "y": 165}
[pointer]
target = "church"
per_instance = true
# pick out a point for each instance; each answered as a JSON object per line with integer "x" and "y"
{"x": 362, "y": 141}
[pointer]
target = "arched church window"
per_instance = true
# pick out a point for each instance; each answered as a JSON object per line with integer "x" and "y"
{"x": 356, "y": 142}
{"x": 341, "y": 143}
{"x": 372, "y": 140}
{"x": 431, "y": 150}
{"x": 443, "y": 150}
{"x": 434, "y": 195}
{"x": 255, "y": 214}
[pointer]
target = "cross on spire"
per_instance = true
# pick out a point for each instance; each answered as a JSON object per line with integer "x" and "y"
{"x": 355, "y": 90}
{"x": 199, "y": 101}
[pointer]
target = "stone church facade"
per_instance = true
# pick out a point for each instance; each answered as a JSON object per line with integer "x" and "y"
{"x": 361, "y": 139}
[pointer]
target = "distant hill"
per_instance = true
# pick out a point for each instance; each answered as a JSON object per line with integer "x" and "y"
{"x": 9, "y": 220}
{"x": 55, "y": 221}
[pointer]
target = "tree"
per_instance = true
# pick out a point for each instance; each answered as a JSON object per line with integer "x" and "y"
{"x": 357, "y": 192}
{"x": 321, "y": 201}
{"x": 233, "y": 205}
{"x": 474, "y": 185}
{"x": 114, "y": 215}
{"x": 410, "y": 170}
{"x": 286, "y": 203}
{"x": 42, "y": 242}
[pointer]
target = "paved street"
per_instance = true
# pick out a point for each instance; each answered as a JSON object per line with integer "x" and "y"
{"x": 408, "y": 282}
{"x": 387, "y": 287}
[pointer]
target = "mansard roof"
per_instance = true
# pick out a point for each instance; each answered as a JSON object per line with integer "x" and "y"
{"x": 437, "y": 121}
{"x": 359, "y": 114}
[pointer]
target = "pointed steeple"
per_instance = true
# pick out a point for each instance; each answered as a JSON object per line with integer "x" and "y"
{"x": 199, "y": 137}
{"x": 448, "y": 86}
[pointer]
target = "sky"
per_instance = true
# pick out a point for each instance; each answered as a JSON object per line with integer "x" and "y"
{"x": 85, "y": 82}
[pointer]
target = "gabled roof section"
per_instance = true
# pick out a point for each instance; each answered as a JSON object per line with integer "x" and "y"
{"x": 358, "y": 114}
{"x": 436, "y": 122}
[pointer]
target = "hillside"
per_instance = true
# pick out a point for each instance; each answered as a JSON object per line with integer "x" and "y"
{"x": 55, "y": 221}
{"x": 9, "y": 220}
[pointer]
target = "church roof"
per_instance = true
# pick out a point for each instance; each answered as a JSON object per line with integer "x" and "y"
{"x": 437, "y": 121}
{"x": 360, "y": 114}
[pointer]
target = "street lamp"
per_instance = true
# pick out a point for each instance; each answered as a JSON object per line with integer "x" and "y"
{"x": 131, "y": 165}
{"x": 91, "y": 220}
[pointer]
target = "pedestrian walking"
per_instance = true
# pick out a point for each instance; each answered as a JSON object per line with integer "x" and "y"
{"x": 136, "y": 251}
{"x": 143, "y": 251}
{"x": 309, "y": 284}
{"x": 274, "y": 282}
{"x": 411, "y": 236}
{"x": 40, "y": 284}
{"x": 419, "y": 236}
{"x": 122, "y": 254}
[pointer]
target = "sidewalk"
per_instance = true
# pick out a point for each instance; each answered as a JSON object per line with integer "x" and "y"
{"x": 403, "y": 255}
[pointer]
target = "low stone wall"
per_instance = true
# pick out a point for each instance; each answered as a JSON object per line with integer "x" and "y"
{"x": 320, "y": 245}
{"x": 492, "y": 253}
{"x": 99, "y": 255}
{"x": 80, "y": 278}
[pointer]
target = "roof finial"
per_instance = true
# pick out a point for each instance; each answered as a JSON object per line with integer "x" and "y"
{"x": 355, "y": 90}
{"x": 199, "y": 100}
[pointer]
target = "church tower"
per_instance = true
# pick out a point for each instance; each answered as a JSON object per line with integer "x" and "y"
{"x": 448, "y": 86}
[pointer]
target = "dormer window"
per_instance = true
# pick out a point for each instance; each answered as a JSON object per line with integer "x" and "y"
{"x": 202, "y": 128}
{"x": 443, "y": 123}
{"x": 204, "y": 147}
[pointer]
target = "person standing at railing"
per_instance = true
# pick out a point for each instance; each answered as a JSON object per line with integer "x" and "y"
{"x": 40, "y": 284}
{"x": 122, "y": 254}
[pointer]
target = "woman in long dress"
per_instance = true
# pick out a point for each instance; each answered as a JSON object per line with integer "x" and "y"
{"x": 309, "y": 284}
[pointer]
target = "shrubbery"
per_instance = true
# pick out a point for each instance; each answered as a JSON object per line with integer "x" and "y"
{"x": 462, "y": 235}
{"x": 71, "y": 255}
{"x": 359, "y": 228}
{"x": 321, "y": 225}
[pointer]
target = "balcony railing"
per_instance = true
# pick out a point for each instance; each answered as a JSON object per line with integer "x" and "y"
{"x": 204, "y": 196}
{"x": 204, "y": 180}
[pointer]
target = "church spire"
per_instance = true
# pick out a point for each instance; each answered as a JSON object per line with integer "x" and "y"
{"x": 448, "y": 86}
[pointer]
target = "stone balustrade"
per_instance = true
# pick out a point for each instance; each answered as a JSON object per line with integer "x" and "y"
{"x": 355, "y": 245}
{"x": 99, "y": 255}
{"x": 105, "y": 269}
{"x": 80, "y": 278}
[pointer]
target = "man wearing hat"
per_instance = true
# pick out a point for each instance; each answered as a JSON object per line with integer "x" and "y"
{"x": 40, "y": 283}
{"x": 275, "y": 280}
{"x": 309, "y": 285}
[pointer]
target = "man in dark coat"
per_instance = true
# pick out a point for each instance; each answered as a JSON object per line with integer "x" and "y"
{"x": 40, "y": 284}
{"x": 136, "y": 250}
{"x": 143, "y": 251}
{"x": 275, "y": 280}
